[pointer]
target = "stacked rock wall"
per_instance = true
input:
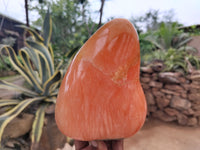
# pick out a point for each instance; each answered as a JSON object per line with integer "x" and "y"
{"x": 172, "y": 96}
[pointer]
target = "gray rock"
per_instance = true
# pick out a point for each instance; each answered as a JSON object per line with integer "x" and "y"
{"x": 146, "y": 69}
{"x": 150, "y": 98}
{"x": 174, "y": 87}
{"x": 182, "y": 119}
{"x": 162, "y": 102}
{"x": 194, "y": 96}
{"x": 171, "y": 111}
{"x": 180, "y": 103}
{"x": 192, "y": 121}
{"x": 155, "y": 84}
{"x": 145, "y": 79}
{"x": 163, "y": 116}
{"x": 168, "y": 77}
{"x": 152, "y": 108}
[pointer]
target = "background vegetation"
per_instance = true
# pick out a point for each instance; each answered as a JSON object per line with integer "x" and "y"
{"x": 49, "y": 50}
{"x": 72, "y": 22}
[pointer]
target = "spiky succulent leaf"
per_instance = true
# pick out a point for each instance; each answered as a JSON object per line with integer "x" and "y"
{"x": 59, "y": 66}
{"x": 49, "y": 84}
{"x": 51, "y": 99}
{"x": 72, "y": 52}
{"x": 8, "y": 102}
{"x": 38, "y": 124}
{"x": 183, "y": 42}
{"x": 43, "y": 50}
{"x": 14, "y": 112}
{"x": 14, "y": 87}
{"x": 27, "y": 64}
{"x": 37, "y": 68}
{"x": 51, "y": 51}
{"x": 33, "y": 56}
{"x": 47, "y": 29}
{"x": 154, "y": 41}
{"x": 34, "y": 34}
{"x": 20, "y": 68}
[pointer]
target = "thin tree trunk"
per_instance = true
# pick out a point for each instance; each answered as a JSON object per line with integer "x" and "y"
{"x": 101, "y": 12}
{"x": 26, "y": 11}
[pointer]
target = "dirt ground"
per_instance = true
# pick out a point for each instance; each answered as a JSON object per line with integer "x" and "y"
{"x": 158, "y": 135}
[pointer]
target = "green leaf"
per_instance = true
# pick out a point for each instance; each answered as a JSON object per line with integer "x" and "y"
{"x": 33, "y": 56}
{"x": 69, "y": 61}
{"x": 183, "y": 42}
{"x": 51, "y": 51}
{"x": 56, "y": 78}
{"x": 51, "y": 99}
{"x": 59, "y": 66}
{"x": 27, "y": 64}
{"x": 35, "y": 35}
{"x": 47, "y": 28}
{"x": 72, "y": 52}
{"x": 44, "y": 69}
{"x": 14, "y": 112}
{"x": 7, "y": 102}
{"x": 38, "y": 124}
{"x": 153, "y": 41}
{"x": 20, "y": 68}
{"x": 40, "y": 47}
{"x": 14, "y": 87}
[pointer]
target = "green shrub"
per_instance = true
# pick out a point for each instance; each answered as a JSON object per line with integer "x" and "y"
{"x": 37, "y": 67}
{"x": 153, "y": 55}
{"x": 5, "y": 64}
{"x": 174, "y": 59}
{"x": 168, "y": 36}
{"x": 178, "y": 60}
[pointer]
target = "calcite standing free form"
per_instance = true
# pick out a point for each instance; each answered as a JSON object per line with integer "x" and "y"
{"x": 100, "y": 96}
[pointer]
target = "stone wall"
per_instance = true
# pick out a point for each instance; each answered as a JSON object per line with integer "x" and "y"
{"x": 172, "y": 96}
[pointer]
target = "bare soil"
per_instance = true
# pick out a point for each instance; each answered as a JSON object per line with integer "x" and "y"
{"x": 158, "y": 135}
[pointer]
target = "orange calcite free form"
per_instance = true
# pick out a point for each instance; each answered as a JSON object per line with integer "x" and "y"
{"x": 100, "y": 96}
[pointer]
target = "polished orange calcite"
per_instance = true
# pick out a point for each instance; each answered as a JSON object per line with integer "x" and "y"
{"x": 100, "y": 96}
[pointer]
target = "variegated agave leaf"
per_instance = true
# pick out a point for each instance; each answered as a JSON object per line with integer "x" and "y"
{"x": 44, "y": 52}
{"x": 37, "y": 67}
{"x": 36, "y": 36}
{"x": 14, "y": 112}
{"x": 49, "y": 84}
{"x": 47, "y": 29}
{"x": 21, "y": 69}
{"x": 14, "y": 87}
{"x": 38, "y": 124}
{"x": 8, "y": 102}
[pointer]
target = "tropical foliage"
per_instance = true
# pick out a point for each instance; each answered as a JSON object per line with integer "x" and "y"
{"x": 167, "y": 43}
{"x": 175, "y": 59}
{"x": 5, "y": 64}
{"x": 162, "y": 38}
{"x": 37, "y": 67}
{"x": 151, "y": 20}
{"x": 71, "y": 22}
{"x": 180, "y": 60}
{"x": 168, "y": 36}
{"x": 146, "y": 47}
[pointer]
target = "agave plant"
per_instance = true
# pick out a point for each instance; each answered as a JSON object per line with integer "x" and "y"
{"x": 37, "y": 67}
